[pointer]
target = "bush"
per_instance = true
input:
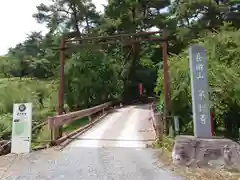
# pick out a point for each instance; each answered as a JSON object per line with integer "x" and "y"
{"x": 42, "y": 94}
{"x": 223, "y": 56}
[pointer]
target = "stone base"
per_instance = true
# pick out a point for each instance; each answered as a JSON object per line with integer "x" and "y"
{"x": 198, "y": 152}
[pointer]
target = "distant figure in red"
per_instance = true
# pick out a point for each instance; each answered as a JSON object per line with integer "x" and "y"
{"x": 140, "y": 89}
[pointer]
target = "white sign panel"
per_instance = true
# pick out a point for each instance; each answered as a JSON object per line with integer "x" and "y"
{"x": 21, "y": 128}
{"x": 176, "y": 123}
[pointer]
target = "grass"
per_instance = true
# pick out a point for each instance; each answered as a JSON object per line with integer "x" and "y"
{"x": 75, "y": 125}
{"x": 165, "y": 157}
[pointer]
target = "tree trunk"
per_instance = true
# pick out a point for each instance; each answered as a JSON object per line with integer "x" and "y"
{"x": 87, "y": 23}
{"x": 76, "y": 21}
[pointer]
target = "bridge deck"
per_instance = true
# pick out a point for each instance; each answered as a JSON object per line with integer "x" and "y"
{"x": 126, "y": 127}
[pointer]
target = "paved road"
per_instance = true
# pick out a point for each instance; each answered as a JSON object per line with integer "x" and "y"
{"x": 113, "y": 149}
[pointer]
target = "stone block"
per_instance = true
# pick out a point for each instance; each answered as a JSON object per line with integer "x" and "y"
{"x": 200, "y": 152}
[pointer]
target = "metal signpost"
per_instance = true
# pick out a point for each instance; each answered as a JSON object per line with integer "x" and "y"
{"x": 21, "y": 128}
{"x": 176, "y": 124}
{"x": 200, "y": 97}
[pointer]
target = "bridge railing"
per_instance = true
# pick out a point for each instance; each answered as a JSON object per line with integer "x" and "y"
{"x": 56, "y": 122}
{"x": 61, "y": 120}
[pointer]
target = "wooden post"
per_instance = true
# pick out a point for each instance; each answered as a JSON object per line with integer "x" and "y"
{"x": 157, "y": 120}
{"x": 159, "y": 125}
{"x": 53, "y": 131}
{"x": 54, "y": 134}
{"x": 57, "y": 132}
{"x": 166, "y": 82}
{"x": 90, "y": 119}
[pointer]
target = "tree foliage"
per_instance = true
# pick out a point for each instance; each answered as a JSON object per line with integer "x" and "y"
{"x": 91, "y": 78}
{"x": 76, "y": 15}
{"x": 33, "y": 58}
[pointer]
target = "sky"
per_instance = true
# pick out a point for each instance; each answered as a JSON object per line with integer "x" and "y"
{"x": 16, "y": 21}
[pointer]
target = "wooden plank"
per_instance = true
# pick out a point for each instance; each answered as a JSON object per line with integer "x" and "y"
{"x": 60, "y": 120}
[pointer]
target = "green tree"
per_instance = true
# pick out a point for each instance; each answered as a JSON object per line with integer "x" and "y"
{"x": 79, "y": 16}
{"x": 91, "y": 79}
{"x": 35, "y": 56}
